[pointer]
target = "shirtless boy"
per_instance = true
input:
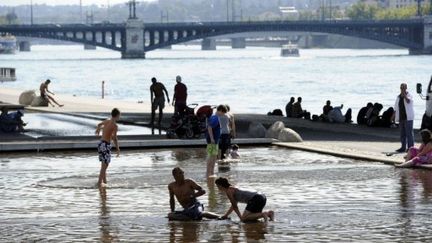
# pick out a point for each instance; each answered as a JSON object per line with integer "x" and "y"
{"x": 44, "y": 93}
{"x": 186, "y": 191}
{"x": 109, "y": 132}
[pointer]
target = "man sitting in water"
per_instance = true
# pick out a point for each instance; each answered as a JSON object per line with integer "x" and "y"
{"x": 109, "y": 131}
{"x": 186, "y": 191}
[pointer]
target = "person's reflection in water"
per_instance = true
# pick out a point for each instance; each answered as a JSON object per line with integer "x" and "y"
{"x": 184, "y": 231}
{"x": 406, "y": 198}
{"x": 104, "y": 218}
{"x": 212, "y": 200}
{"x": 255, "y": 231}
{"x": 425, "y": 178}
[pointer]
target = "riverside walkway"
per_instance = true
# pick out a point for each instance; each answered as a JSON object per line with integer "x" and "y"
{"x": 343, "y": 140}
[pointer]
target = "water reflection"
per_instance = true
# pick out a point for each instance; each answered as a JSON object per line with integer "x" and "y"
{"x": 255, "y": 231}
{"x": 184, "y": 231}
{"x": 104, "y": 219}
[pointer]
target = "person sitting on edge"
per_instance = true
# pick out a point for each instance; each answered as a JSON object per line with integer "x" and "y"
{"x": 421, "y": 155}
{"x": 44, "y": 93}
{"x": 387, "y": 117}
{"x": 234, "y": 152}
{"x": 374, "y": 119}
{"x": 186, "y": 191}
{"x": 213, "y": 134}
{"x": 255, "y": 202}
{"x": 361, "y": 117}
{"x": 298, "y": 112}
{"x": 109, "y": 132}
{"x": 11, "y": 122}
{"x": 289, "y": 107}
{"x": 326, "y": 109}
{"x": 336, "y": 116}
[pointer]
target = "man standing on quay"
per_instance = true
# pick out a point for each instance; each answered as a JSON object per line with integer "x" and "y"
{"x": 157, "y": 89}
{"x": 404, "y": 114}
{"x": 180, "y": 96}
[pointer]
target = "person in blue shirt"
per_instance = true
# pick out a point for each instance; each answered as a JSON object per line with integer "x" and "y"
{"x": 213, "y": 134}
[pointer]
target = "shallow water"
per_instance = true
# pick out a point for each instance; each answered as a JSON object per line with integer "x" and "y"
{"x": 51, "y": 196}
{"x": 254, "y": 80}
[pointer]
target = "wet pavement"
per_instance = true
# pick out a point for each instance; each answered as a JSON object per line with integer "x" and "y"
{"x": 52, "y": 196}
{"x": 59, "y": 125}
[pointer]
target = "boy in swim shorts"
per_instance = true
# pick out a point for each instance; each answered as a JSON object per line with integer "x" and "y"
{"x": 186, "y": 191}
{"x": 213, "y": 134}
{"x": 109, "y": 132}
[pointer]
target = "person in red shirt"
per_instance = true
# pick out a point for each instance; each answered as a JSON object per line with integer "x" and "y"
{"x": 180, "y": 97}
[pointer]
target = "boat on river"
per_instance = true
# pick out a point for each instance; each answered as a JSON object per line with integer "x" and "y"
{"x": 7, "y": 74}
{"x": 290, "y": 50}
{"x": 8, "y": 44}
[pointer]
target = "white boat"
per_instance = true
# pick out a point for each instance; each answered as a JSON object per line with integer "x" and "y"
{"x": 7, "y": 74}
{"x": 290, "y": 50}
{"x": 7, "y": 44}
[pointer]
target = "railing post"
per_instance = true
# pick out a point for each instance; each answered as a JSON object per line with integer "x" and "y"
{"x": 103, "y": 89}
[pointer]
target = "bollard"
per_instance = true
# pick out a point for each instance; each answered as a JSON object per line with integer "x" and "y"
{"x": 103, "y": 89}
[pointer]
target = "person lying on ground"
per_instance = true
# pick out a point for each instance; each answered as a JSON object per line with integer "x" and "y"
{"x": 186, "y": 191}
{"x": 421, "y": 155}
{"x": 335, "y": 115}
{"x": 255, "y": 202}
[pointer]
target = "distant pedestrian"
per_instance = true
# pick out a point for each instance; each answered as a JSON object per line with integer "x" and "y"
{"x": 289, "y": 107}
{"x": 404, "y": 114}
{"x": 180, "y": 97}
{"x": 109, "y": 130}
{"x": 157, "y": 90}
{"x": 44, "y": 93}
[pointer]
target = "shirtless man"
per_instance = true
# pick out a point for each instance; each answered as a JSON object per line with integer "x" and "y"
{"x": 44, "y": 93}
{"x": 186, "y": 191}
{"x": 109, "y": 132}
{"x": 157, "y": 90}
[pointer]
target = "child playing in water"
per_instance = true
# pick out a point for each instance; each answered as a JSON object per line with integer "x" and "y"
{"x": 109, "y": 132}
{"x": 421, "y": 155}
{"x": 234, "y": 152}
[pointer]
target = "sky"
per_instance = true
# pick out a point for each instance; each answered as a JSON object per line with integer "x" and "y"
{"x": 64, "y": 2}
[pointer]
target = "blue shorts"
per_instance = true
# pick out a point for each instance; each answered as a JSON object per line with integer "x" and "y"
{"x": 104, "y": 150}
{"x": 193, "y": 212}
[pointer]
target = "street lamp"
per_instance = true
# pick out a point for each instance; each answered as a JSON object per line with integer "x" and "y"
{"x": 31, "y": 12}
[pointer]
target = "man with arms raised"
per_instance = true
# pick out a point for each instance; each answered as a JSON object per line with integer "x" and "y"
{"x": 109, "y": 132}
{"x": 186, "y": 191}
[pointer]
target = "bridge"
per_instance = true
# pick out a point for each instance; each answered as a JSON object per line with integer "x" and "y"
{"x": 134, "y": 38}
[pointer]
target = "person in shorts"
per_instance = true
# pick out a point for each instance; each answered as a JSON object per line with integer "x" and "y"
{"x": 109, "y": 130}
{"x": 186, "y": 191}
{"x": 157, "y": 98}
{"x": 213, "y": 134}
{"x": 255, "y": 202}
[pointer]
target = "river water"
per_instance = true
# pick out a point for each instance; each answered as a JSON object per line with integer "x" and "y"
{"x": 253, "y": 80}
{"x": 52, "y": 196}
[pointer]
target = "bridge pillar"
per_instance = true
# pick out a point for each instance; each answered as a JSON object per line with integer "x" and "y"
{"x": 427, "y": 38}
{"x": 89, "y": 47}
{"x": 24, "y": 46}
{"x": 134, "y": 43}
{"x": 208, "y": 44}
{"x": 238, "y": 43}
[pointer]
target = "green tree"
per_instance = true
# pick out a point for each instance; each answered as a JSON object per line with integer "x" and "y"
{"x": 362, "y": 11}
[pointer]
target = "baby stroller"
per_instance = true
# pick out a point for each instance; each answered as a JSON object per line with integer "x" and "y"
{"x": 189, "y": 125}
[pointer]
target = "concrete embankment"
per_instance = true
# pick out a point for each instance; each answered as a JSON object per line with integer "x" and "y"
{"x": 345, "y": 140}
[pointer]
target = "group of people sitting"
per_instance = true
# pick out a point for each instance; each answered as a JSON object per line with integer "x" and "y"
{"x": 11, "y": 121}
{"x": 334, "y": 114}
{"x": 370, "y": 116}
